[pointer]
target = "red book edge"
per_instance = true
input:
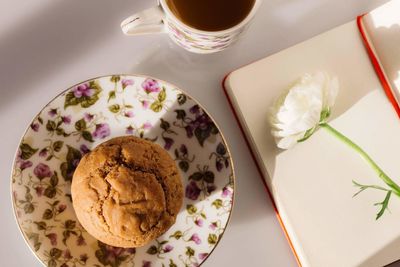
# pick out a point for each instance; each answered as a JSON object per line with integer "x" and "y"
{"x": 260, "y": 172}
{"x": 377, "y": 66}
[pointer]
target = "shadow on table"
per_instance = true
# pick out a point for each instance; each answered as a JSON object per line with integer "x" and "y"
{"x": 52, "y": 38}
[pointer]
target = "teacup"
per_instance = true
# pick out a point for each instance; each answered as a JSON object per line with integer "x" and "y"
{"x": 160, "y": 19}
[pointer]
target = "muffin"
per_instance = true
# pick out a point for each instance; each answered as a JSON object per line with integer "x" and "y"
{"x": 127, "y": 192}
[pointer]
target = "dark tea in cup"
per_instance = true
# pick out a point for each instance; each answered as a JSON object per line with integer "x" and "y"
{"x": 211, "y": 15}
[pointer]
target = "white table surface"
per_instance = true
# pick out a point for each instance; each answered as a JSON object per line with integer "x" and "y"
{"x": 48, "y": 45}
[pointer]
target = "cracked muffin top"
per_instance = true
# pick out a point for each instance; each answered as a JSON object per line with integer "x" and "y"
{"x": 127, "y": 192}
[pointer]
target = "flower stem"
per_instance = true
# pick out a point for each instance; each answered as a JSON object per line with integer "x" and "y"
{"x": 382, "y": 175}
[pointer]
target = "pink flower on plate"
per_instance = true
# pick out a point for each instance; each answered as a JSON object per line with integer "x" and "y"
{"x": 168, "y": 248}
{"x": 192, "y": 191}
{"x": 61, "y": 208}
{"x": 168, "y": 142}
{"x": 145, "y": 104}
{"x": 126, "y": 82}
{"x": 84, "y": 149}
{"x": 88, "y": 117}
{"x": 66, "y": 119}
{"x": 102, "y": 131}
{"x": 83, "y": 257}
{"x": 226, "y": 192}
{"x": 39, "y": 190}
{"x": 43, "y": 153}
{"x": 53, "y": 238}
{"x": 24, "y": 164}
{"x": 83, "y": 90}
{"x": 129, "y": 130}
{"x": 199, "y": 222}
{"x": 213, "y": 226}
{"x": 202, "y": 256}
{"x": 147, "y": 125}
{"x": 67, "y": 254}
{"x": 42, "y": 171}
{"x": 52, "y": 112}
{"x": 35, "y": 127}
{"x": 151, "y": 86}
{"x": 129, "y": 114}
{"x": 80, "y": 241}
{"x": 196, "y": 239}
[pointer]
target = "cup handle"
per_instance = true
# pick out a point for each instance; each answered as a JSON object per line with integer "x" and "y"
{"x": 145, "y": 22}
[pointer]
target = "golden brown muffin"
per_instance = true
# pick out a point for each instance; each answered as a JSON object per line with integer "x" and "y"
{"x": 127, "y": 192}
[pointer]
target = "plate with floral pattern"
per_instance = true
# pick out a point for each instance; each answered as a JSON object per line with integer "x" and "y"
{"x": 92, "y": 112}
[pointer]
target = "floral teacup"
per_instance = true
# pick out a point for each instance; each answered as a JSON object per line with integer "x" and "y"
{"x": 161, "y": 19}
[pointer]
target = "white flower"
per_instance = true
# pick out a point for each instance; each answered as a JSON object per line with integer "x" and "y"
{"x": 296, "y": 114}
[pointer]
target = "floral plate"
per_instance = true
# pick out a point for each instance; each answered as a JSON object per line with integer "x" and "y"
{"x": 91, "y": 112}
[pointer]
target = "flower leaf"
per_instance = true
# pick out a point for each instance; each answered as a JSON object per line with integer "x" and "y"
{"x": 51, "y": 126}
{"x": 189, "y": 252}
{"x": 115, "y": 78}
{"x": 55, "y": 253}
{"x": 60, "y": 131}
{"x": 202, "y": 134}
{"x": 172, "y": 263}
{"x": 70, "y": 224}
{"x": 162, "y": 95}
{"x": 41, "y": 225}
{"x": 182, "y": 99}
{"x": 325, "y": 115}
{"x": 27, "y": 151}
{"x": 73, "y": 154}
{"x": 50, "y": 191}
{"x": 217, "y": 203}
{"x": 52, "y": 263}
{"x": 156, "y": 106}
{"x": 57, "y": 146}
{"x": 71, "y": 100}
{"x": 176, "y": 235}
{"x": 152, "y": 250}
{"x": 209, "y": 177}
{"x": 180, "y": 114}
{"x": 87, "y": 136}
{"x": 384, "y": 204}
{"x": 364, "y": 187}
{"x": 197, "y": 176}
{"x": 212, "y": 239}
{"x": 164, "y": 125}
{"x": 114, "y": 108}
{"x": 184, "y": 165}
{"x": 29, "y": 208}
{"x": 54, "y": 179}
{"x": 191, "y": 209}
{"x": 88, "y": 101}
{"x": 48, "y": 214}
{"x": 111, "y": 95}
{"x": 221, "y": 150}
{"x": 64, "y": 170}
{"x": 307, "y": 134}
{"x": 80, "y": 125}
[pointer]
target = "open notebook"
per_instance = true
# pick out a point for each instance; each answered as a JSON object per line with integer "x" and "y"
{"x": 311, "y": 184}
